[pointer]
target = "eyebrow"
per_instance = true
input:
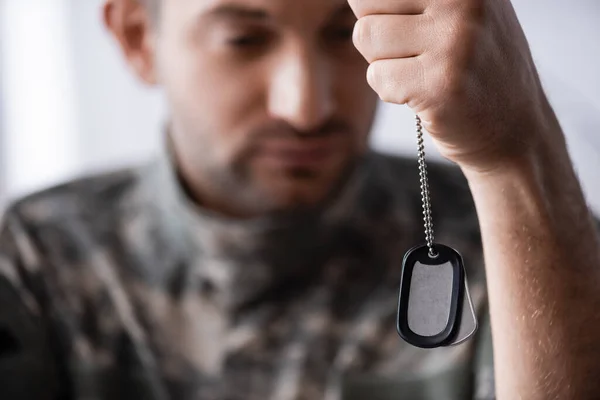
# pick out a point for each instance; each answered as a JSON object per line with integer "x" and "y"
{"x": 238, "y": 11}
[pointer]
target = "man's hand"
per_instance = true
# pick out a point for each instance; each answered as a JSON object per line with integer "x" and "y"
{"x": 463, "y": 66}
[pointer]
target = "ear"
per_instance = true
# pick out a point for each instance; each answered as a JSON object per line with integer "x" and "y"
{"x": 131, "y": 24}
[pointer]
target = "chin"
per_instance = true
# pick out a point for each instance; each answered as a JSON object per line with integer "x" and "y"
{"x": 294, "y": 195}
{"x": 292, "y": 188}
{"x": 299, "y": 200}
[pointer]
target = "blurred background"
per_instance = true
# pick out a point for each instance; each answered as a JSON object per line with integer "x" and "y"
{"x": 70, "y": 107}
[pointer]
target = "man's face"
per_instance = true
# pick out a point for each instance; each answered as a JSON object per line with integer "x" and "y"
{"x": 269, "y": 102}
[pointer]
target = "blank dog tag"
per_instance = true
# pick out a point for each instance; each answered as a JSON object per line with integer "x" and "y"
{"x": 434, "y": 307}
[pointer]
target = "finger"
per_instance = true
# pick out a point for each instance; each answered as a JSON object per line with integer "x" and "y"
{"x": 380, "y": 37}
{"x": 397, "y": 80}
{"x": 363, "y": 8}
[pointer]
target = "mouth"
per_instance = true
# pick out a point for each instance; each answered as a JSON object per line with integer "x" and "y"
{"x": 309, "y": 153}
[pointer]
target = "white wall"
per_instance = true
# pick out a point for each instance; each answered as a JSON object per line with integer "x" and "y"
{"x": 74, "y": 108}
{"x": 120, "y": 119}
{"x": 39, "y": 143}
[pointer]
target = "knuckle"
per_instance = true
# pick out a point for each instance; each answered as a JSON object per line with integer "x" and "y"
{"x": 360, "y": 7}
{"x": 361, "y": 33}
{"x": 373, "y": 75}
{"x": 382, "y": 78}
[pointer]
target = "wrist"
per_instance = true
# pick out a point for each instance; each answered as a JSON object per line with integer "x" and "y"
{"x": 538, "y": 147}
{"x": 539, "y": 189}
{"x": 531, "y": 136}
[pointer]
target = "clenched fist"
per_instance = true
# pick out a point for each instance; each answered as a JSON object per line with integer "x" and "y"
{"x": 464, "y": 67}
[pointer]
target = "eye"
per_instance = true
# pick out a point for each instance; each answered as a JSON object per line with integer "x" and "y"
{"x": 248, "y": 41}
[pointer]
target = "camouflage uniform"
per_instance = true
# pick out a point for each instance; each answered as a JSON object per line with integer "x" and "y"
{"x": 118, "y": 287}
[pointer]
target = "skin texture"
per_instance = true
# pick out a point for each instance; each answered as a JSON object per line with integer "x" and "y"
{"x": 464, "y": 66}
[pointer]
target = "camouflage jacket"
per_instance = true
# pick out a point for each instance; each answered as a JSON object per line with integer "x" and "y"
{"x": 118, "y": 287}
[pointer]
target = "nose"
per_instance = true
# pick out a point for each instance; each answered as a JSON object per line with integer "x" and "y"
{"x": 300, "y": 90}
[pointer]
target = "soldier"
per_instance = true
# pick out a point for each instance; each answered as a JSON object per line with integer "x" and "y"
{"x": 258, "y": 256}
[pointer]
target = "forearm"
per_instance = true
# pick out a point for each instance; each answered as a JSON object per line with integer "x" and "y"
{"x": 543, "y": 267}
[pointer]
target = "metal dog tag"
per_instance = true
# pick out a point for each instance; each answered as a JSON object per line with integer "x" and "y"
{"x": 434, "y": 307}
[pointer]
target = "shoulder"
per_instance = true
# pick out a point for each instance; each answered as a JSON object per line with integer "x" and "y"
{"x": 67, "y": 221}
{"x": 85, "y": 197}
{"x": 59, "y": 229}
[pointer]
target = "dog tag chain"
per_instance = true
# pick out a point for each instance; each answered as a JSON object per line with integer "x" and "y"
{"x": 434, "y": 306}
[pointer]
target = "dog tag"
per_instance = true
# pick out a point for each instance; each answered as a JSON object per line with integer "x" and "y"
{"x": 434, "y": 307}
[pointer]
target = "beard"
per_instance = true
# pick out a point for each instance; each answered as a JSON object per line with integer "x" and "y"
{"x": 239, "y": 185}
